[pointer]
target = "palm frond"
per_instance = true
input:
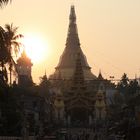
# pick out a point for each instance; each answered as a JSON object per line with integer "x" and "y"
{"x": 2, "y": 37}
{"x": 4, "y": 2}
{"x": 11, "y": 28}
{"x": 16, "y": 46}
{"x": 18, "y": 36}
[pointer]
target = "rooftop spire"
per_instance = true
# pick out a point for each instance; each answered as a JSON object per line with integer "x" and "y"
{"x": 72, "y": 37}
{"x": 24, "y": 59}
{"x": 45, "y": 76}
{"x": 72, "y": 16}
{"x": 100, "y": 77}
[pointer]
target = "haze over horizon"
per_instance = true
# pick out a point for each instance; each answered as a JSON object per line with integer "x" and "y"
{"x": 109, "y": 32}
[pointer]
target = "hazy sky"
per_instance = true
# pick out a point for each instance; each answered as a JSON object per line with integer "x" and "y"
{"x": 109, "y": 32}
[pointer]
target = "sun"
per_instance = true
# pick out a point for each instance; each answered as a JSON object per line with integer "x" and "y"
{"x": 35, "y": 47}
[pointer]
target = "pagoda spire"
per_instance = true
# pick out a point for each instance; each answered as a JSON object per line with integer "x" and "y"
{"x": 45, "y": 75}
{"x": 24, "y": 59}
{"x": 67, "y": 61}
{"x": 72, "y": 16}
{"x": 72, "y": 36}
{"x": 100, "y": 77}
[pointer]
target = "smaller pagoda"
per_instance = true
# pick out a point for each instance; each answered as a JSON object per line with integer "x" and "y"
{"x": 24, "y": 67}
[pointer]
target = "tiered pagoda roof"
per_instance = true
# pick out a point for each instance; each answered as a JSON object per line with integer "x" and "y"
{"x": 67, "y": 60}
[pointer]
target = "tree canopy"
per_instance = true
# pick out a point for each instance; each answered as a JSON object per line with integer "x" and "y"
{"x": 9, "y": 46}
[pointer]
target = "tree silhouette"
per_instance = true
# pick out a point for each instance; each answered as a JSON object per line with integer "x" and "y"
{"x": 12, "y": 44}
{"x": 9, "y": 46}
{"x": 123, "y": 84}
{"x": 124, "y": 80}
{"x": 3, "y": 57}
{"x": 133, "y": 87}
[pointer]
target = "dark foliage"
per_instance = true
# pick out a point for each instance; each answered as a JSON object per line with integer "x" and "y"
{"x": 4, "y": 2}
{"x": 8, "y": 46}
{"x": 10, "y": 120}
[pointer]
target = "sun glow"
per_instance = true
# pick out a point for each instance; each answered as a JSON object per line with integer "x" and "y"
{"x": 35, "y": 47}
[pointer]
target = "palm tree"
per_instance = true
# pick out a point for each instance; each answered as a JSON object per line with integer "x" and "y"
{"x": 9, "y": 46}
{"x": 3, "y": 56}
{"x": 12, "y": 45}
{"x": 4, "y": 2}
